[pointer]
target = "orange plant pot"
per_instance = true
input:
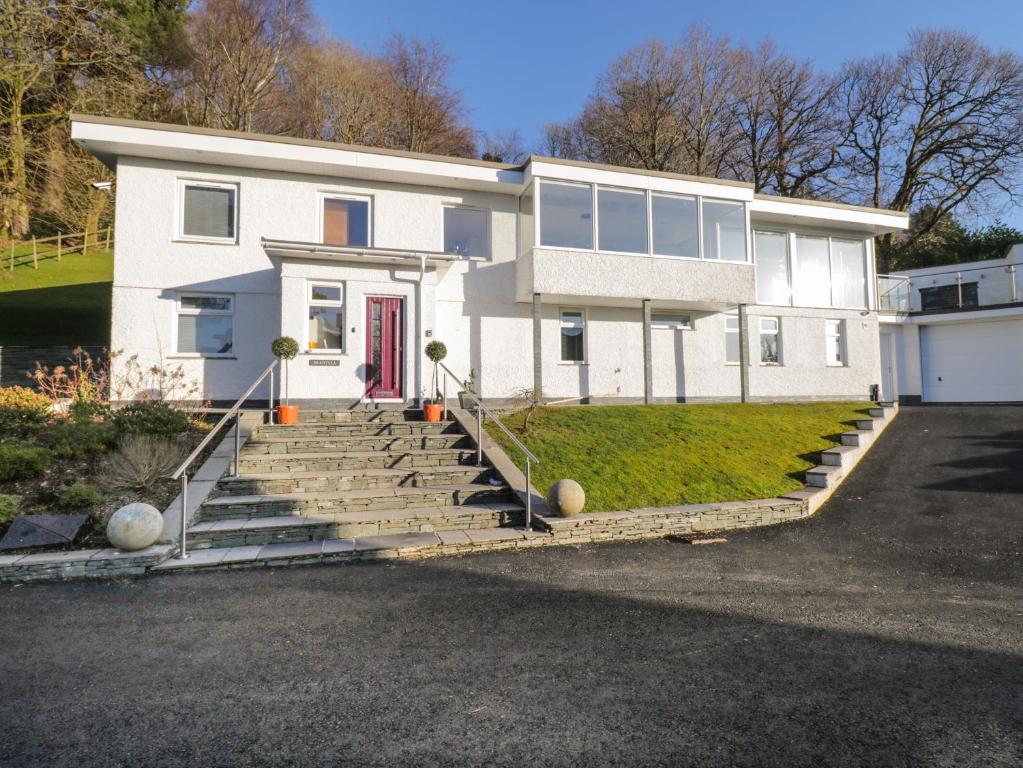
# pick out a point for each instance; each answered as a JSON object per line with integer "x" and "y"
{"x": 432, "y": 411}
{"x": 287, "y": 414}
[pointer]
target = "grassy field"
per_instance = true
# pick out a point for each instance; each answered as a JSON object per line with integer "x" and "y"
{"x": 61, "y": 303}
{"x": 642, "y": 456}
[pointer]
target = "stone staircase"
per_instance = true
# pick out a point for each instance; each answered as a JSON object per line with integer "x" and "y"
{"x": 353, "y": 481}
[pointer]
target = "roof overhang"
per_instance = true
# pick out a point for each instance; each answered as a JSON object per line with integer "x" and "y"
{"x": 768, "y": 209}
{"x": 111, "y": 138}
{"x": 289, "y": 249}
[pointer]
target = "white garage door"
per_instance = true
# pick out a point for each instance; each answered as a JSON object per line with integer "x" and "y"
{"x": 973, "y": 362}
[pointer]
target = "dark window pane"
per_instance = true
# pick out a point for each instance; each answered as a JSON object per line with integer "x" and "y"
{"x": 676, "y": 225}
{"x": 465, "y": 232}
{"x": 572, "y": 345}
{"x": 325, "y": 327}
{"x": 326, "y": 293}
{"x": 345, "y": 222}
{"x": 209, "y": 212}
{"x": 622, "y": 221}
{"x": 947, "y": 296}
{"x": 566, "y": 216}
{"x": 205, "y": 334}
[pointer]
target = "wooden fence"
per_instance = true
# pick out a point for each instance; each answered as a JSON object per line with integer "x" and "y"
{"x": 31, "y": 252}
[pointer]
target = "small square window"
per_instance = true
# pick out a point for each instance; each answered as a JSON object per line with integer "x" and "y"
{"x": 467, "y": 232}
{"x": 573, "y": 342}
{"x": 205, "y": 325}
{"x": 345, "y": 222}
{"x": 209, "y": 211}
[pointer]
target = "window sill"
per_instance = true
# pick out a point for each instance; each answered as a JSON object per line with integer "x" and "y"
{"x": 323, "y": 352}
{"x": 772, "y": 365}
{"x": 198, "y": 356}
{"x": 205, "y": 240}
{"x": 573, "y": 363}
{"x": 837, "y": 365}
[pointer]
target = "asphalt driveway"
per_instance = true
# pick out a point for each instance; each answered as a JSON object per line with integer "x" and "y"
{"x": 887, "y": 630}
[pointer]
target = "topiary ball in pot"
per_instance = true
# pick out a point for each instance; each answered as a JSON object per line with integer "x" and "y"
{"x": 285, "y": 347}
{"x": 436, "y": 351}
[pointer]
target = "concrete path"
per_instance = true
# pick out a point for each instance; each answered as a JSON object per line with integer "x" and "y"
{"x": 888, "y": 630}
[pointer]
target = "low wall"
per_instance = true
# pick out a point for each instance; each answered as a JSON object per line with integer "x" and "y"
{"x": 17, "y": 362}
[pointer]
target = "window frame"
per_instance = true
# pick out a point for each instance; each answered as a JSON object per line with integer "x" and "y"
{"x": 584, "y": 324}
{"x": 738, "y": 332}
{"x": 840, "y": 335}
{"x": 488, "y": 215}
{"x": 670, "y": 325}
{"x": 645, "y": 193}
{"x": 180, "y": 311}
{"x": 321, "y": 198}
{"x": 595, "y": 188}
{"x": 789, "y": 263}
{"x": 183, "y": 183}
{"x": 777, "y": 340}
{"x": 310, "y": 302}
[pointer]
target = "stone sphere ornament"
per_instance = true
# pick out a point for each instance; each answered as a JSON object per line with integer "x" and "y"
{"x": 566, "y": 497}
{"x": 134, "y": 526}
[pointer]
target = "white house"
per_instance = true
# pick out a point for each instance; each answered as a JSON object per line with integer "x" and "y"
{"x": 581, "y": 280}
{"x": 954, "y": 333}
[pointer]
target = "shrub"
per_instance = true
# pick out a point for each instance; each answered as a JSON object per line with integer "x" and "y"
{"x": 22, "y": 410}
{"x": 8, "y": 507}
{"x": 141, "y": 462}
{"x": 79, "y": 495}
{"x": 21, "y": 462}
{"x": 76, "y": 439}
{"x": 150, "y": 418}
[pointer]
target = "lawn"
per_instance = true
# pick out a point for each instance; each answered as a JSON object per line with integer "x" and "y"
{"x": 61, "y": 303}
{"x": 658, "y": 455}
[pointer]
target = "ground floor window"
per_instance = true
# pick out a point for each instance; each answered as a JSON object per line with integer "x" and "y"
{"x": 205, "y": 324}
{"x": 770, "y": 340}
{"x": 673, "y": 321}
{"x": 573, "y": 342}
{"x": 732, "y": 339}
{"x": 834, "y": 339}
{"x": 326, "y": 316}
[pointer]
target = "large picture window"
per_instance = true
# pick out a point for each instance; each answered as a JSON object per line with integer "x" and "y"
{"x": 566, "y": 215}
{"x": 676, "y": 226}
{"x": 345, "y": 221}
{"x": 209, "y": 211}
{"x": 573, "y": 336}
{"x": 467, "y": 232}
{"x": 848, "y": 273}
{"x": 724, "y": 230}
{"x": 621, "y": 219}
{"x": 205, "y": 324}
{"x": 772, "y": 257}
{"x": 326, "y": 317}
{"x": 811, "y": 284}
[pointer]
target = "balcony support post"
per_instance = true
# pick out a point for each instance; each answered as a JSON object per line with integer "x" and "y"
{"x": 743, "y": 354}
{"x": 537, "y": 348}
{"x": 648, "y": 372}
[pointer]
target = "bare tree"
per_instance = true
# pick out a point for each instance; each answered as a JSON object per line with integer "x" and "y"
{"x": 426, "y": 114}
{"x": 503, "y": 147}
{"x": 938, "y": 127}
{"x": 240, "y": 49}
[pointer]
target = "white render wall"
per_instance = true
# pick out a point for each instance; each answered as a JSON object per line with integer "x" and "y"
{"x": 471, "y": 305}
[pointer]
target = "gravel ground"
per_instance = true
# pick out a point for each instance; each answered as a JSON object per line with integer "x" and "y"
{"x": 884, "y": 631}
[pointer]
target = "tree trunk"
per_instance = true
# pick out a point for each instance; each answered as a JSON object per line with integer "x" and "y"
{"x": 17, "y": 193}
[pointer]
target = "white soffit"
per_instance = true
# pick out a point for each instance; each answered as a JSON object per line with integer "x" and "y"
{"x": 815, "y": 214}
{"x": 638, "y": 179}
{"x": 108, "y": 141}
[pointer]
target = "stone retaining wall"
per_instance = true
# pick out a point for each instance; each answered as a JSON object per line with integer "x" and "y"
{"x": 656, "y": 522}
{"x": 17, "y": 362}
{"x": 81, "y": 564}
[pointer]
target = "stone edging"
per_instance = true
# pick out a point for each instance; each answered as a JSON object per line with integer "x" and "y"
{"x": 111, "y": 563}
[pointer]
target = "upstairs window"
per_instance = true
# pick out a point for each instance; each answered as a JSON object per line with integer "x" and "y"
{"x": 345, "y": 221}
{"x": 848, "y": 273}
{"x": 811, "y": 286}
{"x": 209, "y": 211}
{"x": 724, "y": 230}
{"x": 573, "y": 341}
{"x": 326, "y": 316}
{"x": 467, "y": 232}
{"x": 621, "y": 219}
{"x": 205, "y": 324}
{"x": 566, "y": 215}
{"x": 676, "y": 225}
{"x": 772, "y": 256}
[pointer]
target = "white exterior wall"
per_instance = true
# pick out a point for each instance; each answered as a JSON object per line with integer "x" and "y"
{"x": 472, "y": 305}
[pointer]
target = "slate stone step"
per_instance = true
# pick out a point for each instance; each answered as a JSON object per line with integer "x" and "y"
{"x": 331, "y": 460}
{"x": 290, "y": 528}
{"x": 358, "y": 415}
{"x": 327, "y": 502}
{"x": 268, "y": 433}
{"x": 380, "y": 443}
{"x": 250, "y": 484}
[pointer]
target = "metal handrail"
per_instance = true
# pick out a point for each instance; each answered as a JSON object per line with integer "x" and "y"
{"x": 482, "y": 410}
{"x": 182, "y": 471}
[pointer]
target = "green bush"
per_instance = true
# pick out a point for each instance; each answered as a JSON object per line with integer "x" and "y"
{"x": 22, "y": 410}
{"x": 21, "y": 462}
{"x": 76, "y": 439}
{"x": 88, "y": 410}
{"x": 8, "y": 507}
{"x": 79, "y": 495}
{"x": 150, "y": 418}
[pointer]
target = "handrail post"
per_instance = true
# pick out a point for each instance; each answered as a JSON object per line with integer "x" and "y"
{"x": 444, "y": 406}
{"x": 183, "y": 551}
{"x": 529, "y": 497}
{"x": 959, "y": 288}
{"x": 1014, "y": 289}
{"x": 35, "y": 254}
{"x": 237, "y": 441}
{"x": 479, "y": 435}
{"x": 58, "y": 247}
{"x": 271, "y": 398}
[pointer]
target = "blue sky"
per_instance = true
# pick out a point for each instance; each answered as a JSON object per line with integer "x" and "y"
{"x": 522, "y": 64}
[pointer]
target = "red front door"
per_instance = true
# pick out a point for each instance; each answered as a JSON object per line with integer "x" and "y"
{"x": 384, "y": 348}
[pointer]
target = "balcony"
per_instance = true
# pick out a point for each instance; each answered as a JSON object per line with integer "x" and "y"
{"x": 575, "y": 275}
{"x": 949, "y": 290}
